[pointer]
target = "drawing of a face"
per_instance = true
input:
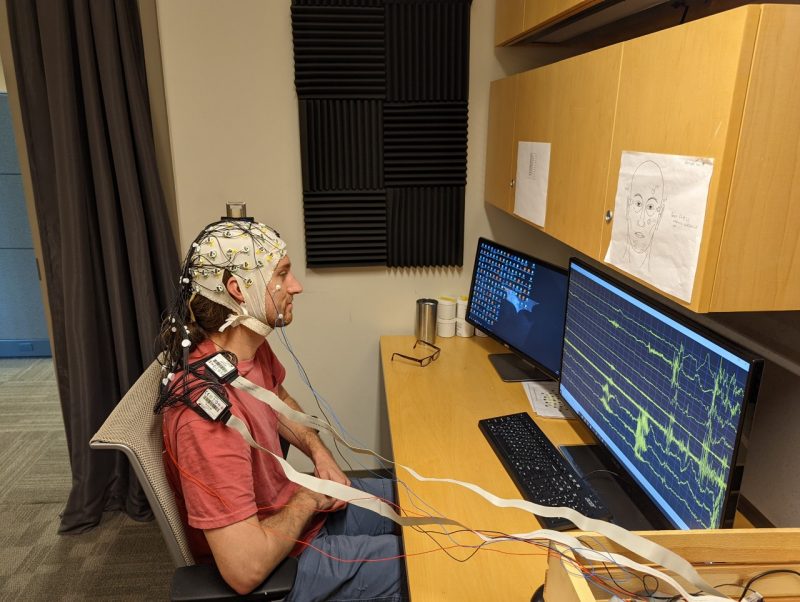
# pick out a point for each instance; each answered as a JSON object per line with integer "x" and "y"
{"x": 645, "y": 205}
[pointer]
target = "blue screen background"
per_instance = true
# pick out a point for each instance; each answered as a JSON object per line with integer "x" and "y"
{"x": 521, "y": 302}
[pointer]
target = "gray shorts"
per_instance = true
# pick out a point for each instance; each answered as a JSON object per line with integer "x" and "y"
{"x": 354, "y": 534}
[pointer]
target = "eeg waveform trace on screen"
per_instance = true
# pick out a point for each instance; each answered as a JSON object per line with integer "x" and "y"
{"x": 666, "y": 400}
{"x": 520, "y": 301}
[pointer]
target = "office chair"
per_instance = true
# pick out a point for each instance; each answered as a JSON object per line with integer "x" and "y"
{"x": 133, "y": 429}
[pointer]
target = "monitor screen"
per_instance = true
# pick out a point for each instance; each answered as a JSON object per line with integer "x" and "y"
{"x": 519, "y": 301}
{"x": 666, "y": 397}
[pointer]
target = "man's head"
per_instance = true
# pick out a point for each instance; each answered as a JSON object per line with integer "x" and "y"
{"x": 249, "y": 253}
{"x": 236, "y": 273}
{"x": 280, "y": 291}
{"x": 645, "y": 205}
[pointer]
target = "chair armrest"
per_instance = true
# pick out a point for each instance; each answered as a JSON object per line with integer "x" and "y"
{"x": 202, "y": 582}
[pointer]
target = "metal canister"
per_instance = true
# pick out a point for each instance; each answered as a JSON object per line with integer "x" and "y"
{"x": 425, "y": 324}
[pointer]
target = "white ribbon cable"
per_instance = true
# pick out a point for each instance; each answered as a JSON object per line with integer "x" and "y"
{"x": 609, "y": 558}
{"x": 635, "y": 543}
{"x": 276, "y": 403}
{"x": 351, "y": 495}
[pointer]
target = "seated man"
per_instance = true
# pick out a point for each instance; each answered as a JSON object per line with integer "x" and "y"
{"x": 239, "y": 508}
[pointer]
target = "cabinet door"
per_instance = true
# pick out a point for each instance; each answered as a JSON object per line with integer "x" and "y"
{"x": 682, "y": 92}
{"x": 508, "y": 20}
{"x": 538, "y": 12}
{"x": 570, "y": 104}
{"x": 500, "y": 151}
{"x": 760, "y": 248}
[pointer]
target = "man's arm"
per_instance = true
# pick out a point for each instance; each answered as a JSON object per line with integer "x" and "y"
{"x": 247, "y": 551}
{"x": 307, "y": 441}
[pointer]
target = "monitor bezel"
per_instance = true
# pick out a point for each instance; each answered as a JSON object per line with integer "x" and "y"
{"x": 749, "y": 397}
{"x": 554, "y": 375}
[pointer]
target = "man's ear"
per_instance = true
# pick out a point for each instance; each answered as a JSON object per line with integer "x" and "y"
{"x": 234, "y": 290}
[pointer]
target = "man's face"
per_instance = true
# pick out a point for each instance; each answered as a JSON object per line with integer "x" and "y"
{"x": 645, "y": 206}
{"x": 282, "y": 287}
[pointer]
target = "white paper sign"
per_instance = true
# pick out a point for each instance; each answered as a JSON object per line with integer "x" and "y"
{"x": 658, "y": 219}
{"x": 545, "y": 399}
{"x": 533, "y": 169}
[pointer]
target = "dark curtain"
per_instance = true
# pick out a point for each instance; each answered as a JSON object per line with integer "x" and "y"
{"x": 109, "y": 255}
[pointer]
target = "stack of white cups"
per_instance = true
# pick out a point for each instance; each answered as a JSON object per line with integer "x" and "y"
{"x": 446, "y": 317}
{"x": 463, "y": 328}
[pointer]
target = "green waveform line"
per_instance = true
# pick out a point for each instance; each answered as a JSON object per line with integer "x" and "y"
{"x": 640, "y": 439}
{"x": 692, "y": 503}
{"x": 687, "y": 374}
{"x": 628, "y": 381}
{"x": 606, "y": 397}
{"x": 676, "y": 364}
{"x": 612, "y": 384}
{"x": 662, "y": 472}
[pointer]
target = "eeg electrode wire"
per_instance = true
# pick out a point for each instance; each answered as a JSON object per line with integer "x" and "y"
{"x": 320, "y": 400}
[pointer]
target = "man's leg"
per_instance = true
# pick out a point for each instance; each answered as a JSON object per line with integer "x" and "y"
{"x": 357, "y": 521}
{"x": 328, "y": 573}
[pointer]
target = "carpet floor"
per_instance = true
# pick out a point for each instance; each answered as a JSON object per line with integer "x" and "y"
{"x": 120, "y": 559}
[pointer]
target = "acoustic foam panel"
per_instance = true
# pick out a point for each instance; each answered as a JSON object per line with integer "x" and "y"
{"x": 427, "y": 50}
{"x": 425, "y": 144}
{"x": 339, "y": 49}
{"x": 425, "y": 226}
{"x": 350, "y": 56}
{"x": 345, "y": 228}
{"x": 341, "y": 144}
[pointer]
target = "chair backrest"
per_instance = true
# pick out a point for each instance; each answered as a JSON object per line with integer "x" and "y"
{"x": 135, "y": 430}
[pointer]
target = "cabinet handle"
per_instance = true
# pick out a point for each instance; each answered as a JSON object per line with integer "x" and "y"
{"x": 609, "y": 216}
{"x": 512, "y": 183}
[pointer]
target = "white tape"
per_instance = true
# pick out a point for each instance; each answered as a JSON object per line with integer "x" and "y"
{"x": 635, "y": 543}
{"x": 351, "y": 495}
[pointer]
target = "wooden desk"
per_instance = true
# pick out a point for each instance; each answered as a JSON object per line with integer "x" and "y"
{"x": 433, "y": 416}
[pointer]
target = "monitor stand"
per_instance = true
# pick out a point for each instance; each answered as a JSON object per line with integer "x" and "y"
{"x": 630, "y": 507}
{"x": 513, "y": 369}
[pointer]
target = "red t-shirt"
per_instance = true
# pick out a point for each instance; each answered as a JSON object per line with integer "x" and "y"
{"x": 222, "y": 479}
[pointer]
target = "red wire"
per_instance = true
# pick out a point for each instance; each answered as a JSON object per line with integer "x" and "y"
{"x": 549, "y": 552}
{"x": 190, "y": 476}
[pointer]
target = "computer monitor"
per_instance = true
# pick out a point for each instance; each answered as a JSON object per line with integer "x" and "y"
{"x": 519, "y": 301}
{"x": 664, "y": 396}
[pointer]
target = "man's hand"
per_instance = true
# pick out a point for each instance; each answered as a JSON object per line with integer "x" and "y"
{"x": 320, "y": 503}
{"x": 245, "y": 556}
{"x": 325, "y": 467}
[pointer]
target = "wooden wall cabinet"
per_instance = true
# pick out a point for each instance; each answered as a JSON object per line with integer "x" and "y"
{"x": 508, "y": 20}
{"x": 724, "y": 87}
{"x": 500, "y": 148}
{"x": 571, "y": 105}
{"x": 758, "y": 263}
{"x": 513, "y": 18}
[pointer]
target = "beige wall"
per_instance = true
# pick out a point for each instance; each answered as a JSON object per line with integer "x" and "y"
{"x": 232, "y": 110}
{"x": 3, "y": 87}
{"x": 233, "y": 131}
{"x": 148, "y": 15}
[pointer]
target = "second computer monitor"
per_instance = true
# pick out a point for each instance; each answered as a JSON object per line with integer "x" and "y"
{"x": 519, "y": 301}
{"x": 664, "y": 396}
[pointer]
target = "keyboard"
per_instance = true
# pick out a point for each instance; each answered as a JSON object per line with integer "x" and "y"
{"x": 538, "y": 469}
